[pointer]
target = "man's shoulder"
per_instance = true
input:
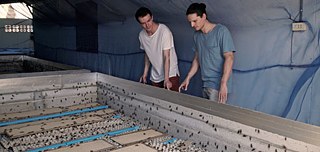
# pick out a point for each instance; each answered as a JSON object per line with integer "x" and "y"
{"x": 164, "y": 27}
{"x": 221, "y": 27}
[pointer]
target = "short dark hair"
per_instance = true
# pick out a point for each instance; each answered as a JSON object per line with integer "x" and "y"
{"x": 141, "y": 12}
{"x": 198, "y": 8}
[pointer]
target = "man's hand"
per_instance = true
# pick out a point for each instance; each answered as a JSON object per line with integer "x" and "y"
{"x": 167, "y": 84}
{"x": 184, "y": 85}
{"x": 143, "y": 79}
{"x": 223, "y": 94}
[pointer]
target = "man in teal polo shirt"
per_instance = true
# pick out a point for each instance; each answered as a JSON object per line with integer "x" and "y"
{"x": 214, "y": 54}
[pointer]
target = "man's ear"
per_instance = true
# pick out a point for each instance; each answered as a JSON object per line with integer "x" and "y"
{"x": 204, "y": 15}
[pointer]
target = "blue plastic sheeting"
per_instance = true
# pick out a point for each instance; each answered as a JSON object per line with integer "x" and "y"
{"x": 9, "y": 51}
{"x": 276, "y": 70}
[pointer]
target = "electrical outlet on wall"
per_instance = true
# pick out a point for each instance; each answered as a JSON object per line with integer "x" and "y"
{"x": 299, "y": 26}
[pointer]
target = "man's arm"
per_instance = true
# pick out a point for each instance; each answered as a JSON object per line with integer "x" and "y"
{"x": 166, "y": 59}
{"x": 143, "y": 78}
{"x": 193, "y": 70}
{"x": 227, "y": 69}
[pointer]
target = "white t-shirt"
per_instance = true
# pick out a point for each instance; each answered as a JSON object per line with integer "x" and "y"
{"x": 154, "y": 45}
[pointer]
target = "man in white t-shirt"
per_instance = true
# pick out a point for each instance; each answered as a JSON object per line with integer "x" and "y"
{"x": 157, "y": 42}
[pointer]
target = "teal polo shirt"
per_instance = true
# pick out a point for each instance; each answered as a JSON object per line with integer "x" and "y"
{"x": 210, "y": 48}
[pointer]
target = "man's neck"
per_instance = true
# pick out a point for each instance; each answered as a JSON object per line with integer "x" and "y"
{"x": 208, "y": 27}
{"x": 153, "y": 29}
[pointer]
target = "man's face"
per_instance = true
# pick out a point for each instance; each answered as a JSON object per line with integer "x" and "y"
{"x": 196, "y": 21}
{"x": 146, "y": 22}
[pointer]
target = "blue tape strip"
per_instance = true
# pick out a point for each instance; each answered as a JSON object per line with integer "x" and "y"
{"x": 87, "y": 139}
{"x": 117, "y": 116}
{"x": 170, "y": 141}
{"x": 53, "y": 115}
{"x": 113, "y": 133}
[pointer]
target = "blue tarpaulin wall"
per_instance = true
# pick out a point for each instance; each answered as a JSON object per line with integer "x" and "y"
{"x": 276, "y": 71}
